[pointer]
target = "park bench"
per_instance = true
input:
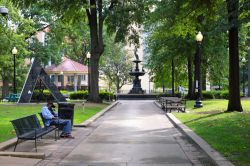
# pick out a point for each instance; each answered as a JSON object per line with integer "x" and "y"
{"x": 12, "y": 97}
{"x": 29, "y": 128}
{"x": 172, "y": 103}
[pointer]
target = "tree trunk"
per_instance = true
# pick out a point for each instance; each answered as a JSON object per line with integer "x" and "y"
{"x": 94, "y": 81}
{"x": 190, "y": 94}
{"x": 234, "y": 103}
{"x": 96, "y": 30}
{"x": 117, "y": 85}
{"x": 248, "y": 68}
{"x": 5, "y": 90}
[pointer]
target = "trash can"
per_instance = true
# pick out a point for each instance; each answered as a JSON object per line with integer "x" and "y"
{"x": 66, "y": 111}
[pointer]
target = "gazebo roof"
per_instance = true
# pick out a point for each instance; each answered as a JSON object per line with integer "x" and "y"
{"x": 68, "y": 66}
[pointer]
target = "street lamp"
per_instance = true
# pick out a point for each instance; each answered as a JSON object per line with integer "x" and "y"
{"x": 198, "y": 102}
{"x": 88, "y": 58}
{"x": 14, "y": 52}
{"x": 62, "y": 81}
{"x": 3, "y": 10}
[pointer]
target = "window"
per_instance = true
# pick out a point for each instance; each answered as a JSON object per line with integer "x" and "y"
{"x": 52, "y": 78}
{"x": 70, "y": 79}
{"x": 60, "y": 78}
{"x": 83, "y": 77}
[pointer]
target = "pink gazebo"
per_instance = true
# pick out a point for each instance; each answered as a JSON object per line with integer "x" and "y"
{"x": 69, "y": 75}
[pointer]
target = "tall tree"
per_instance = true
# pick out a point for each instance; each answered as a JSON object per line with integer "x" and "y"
{"x": 116, "y": 64}
{"x": 119, "y": 16}
{"x": 13, "y": 30}
{"x": 234, "y": 103}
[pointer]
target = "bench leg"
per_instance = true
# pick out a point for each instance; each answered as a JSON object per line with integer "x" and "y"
{"x": 58, "y": 133}
{"x": 35, "y": 145}
{"x": 16, "y": 144}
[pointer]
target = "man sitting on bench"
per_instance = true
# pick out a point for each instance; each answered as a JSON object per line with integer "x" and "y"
{"x": 51, "y": 118}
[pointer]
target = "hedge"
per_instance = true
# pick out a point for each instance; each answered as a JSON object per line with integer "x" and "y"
{"x": 80, "y": 95}
{"x": 45, "y": 96}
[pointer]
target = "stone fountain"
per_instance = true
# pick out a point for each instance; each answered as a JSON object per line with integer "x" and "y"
{"x": 136, "y": 73}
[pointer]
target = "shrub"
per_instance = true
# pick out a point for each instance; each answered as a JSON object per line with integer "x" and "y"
{"x": 217, "y": 94}
{"x": 78, "y": 95}
{"x": 177, "y": 94}
{"x": 106, "y": 95}
{"x": 224, "y": 95}
{"x": 64, "y": 92}
{"x": 207, "y": 94}
{"x": 45, "y": 96}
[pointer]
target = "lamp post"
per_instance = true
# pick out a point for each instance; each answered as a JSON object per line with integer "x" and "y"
{"x": 88, "y": 58}
{"x": 14, "y": 52}
{"x": 62, "y": 81}
{"x": 172, "y": 77}
{"x": 243, "y": 75}
{"x": 198, "y": 102}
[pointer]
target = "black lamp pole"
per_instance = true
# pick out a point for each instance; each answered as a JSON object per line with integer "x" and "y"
{"x": 172, "y": 77}
{"x": 198, "y": 102}
{"x": 88, "y": 58}
{"x": 243, "y": 76}
{"x": 14, "y": 52}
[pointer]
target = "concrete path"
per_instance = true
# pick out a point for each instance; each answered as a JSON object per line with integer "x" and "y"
{"x": 135, "y": 133}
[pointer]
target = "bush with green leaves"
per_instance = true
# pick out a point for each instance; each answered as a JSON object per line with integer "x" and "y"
{"x": 208, "y": 95}
{"x": 224, "y": 95}
{"x": 45, "y": 96}
{"x": 106, "y": 95}
{"x": 78, "y": 95}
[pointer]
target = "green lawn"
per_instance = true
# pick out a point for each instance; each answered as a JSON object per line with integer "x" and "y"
{"x": 10, "y": 112}
{"x": 229, "y": 133}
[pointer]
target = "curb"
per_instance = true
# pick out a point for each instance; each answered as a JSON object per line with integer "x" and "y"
{"x": 24, "y": 155}
{"x": 96, "y": 116}
{"x": 5, "y": 145}
{"x": 214, "y": 156}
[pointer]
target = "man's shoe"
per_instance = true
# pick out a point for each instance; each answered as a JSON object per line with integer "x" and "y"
{"x": 67, "y": 136}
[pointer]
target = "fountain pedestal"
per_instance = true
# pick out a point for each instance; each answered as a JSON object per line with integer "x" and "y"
{"x": 137, "y": 82}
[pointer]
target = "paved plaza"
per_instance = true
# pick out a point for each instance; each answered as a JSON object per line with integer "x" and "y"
{"x": 134, "y": 133}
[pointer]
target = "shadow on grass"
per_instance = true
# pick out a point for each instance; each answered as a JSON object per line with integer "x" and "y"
{"x": 203, "y": 117}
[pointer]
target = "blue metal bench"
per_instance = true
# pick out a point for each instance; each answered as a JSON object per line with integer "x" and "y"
{"x": 12, "y": 97}
{"x": 29, "y": 128}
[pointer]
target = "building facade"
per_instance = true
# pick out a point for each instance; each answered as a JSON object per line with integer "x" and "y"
{"x": 69, "y": 75}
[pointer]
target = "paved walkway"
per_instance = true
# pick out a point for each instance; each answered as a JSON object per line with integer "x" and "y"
{"x": 135, "y": 133}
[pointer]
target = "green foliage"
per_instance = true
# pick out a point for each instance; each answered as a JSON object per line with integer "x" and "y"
{"x": 42, "y": 96}
{"x": 207, "y": 95}
{"x": 14, "y": 29}
{"x": 109, "y": 96}
{"x": 224, "y": 95}
{"x": 78, "y": 95}
{"x": 115, "y": 64}
{"x": 176, "y": 94}
{"x": 83, "y": 95}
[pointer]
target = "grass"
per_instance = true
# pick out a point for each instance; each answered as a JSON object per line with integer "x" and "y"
{"x": 228, "y": 133}
{"x": 9, "y": 112}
